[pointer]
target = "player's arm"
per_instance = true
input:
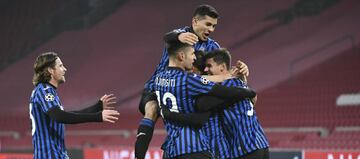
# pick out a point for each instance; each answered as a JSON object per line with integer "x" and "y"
{"x": 205, "y": 105}
{"x": 61, "y": 116}
{"x": 97, "y": 107}
{"x": 105, "y": 102}
{"x": 224, "y": 97}
{"x": 218, "y": 78}
{"x": 186, "y": 119}
{"x": 198, "y": 86}
{"x": 212, "y": 103}
{"x": 182, "y": 36}
{"x": 235, "y": 93}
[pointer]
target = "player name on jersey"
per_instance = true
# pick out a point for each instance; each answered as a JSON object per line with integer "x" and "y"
{"x": 165, "y": 82}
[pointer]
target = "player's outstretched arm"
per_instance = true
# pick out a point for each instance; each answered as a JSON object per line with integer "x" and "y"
{"x": 74, "y": 118}
{"x": 106, "y": 102}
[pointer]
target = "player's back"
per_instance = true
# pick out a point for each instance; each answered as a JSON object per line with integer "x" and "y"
{"x": 242, "y": 126}
{"x": 176, "y": 90}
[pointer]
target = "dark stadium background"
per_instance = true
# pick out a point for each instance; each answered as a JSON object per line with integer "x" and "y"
{"x": 303, "y": 56}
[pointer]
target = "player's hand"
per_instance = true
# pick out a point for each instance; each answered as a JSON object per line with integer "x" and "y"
{"x": 234, "y": 71}
{"x": 243, "y": 68}
{"x": 188, "y": 38}
{"x": 108, "y": 100}
{"x": 110, "y": 115}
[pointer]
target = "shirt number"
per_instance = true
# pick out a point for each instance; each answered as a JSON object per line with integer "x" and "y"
{"x": 168, "y": 95}
{"x": 251, "y": 111}
{"x": 32, "y": 120}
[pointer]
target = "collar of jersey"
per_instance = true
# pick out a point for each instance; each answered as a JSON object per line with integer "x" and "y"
{"x": 47, "y": 83}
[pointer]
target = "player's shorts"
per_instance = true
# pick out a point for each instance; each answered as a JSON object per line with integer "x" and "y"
{"x": 146, "y": 96}
{"x": 258, "y": 154}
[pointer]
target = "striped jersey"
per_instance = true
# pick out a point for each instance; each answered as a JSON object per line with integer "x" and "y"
{"x": 214, "y": 131}
{"x": 176, "y": 90}
{"x": 206, "y": 46}
{"x": 242, "y": 127}
{"x": 47, "y": 134}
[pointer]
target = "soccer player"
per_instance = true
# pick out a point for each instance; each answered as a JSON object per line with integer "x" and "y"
{"x": 177, "y": 89}
{"x": 47, "y": 113}
{"x": 245, "y": 134}
{"x": 203, "y": 24}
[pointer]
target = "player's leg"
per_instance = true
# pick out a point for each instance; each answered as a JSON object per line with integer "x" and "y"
{"x": 149, "y": 107}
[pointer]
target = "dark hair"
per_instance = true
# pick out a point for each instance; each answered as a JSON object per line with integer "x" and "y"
{"x": 220, "y": 56}
{"x": 199, "y": 63}
{"x": 174, "y": 47}
{"x": 43, "y": 61}
{"x": 205, "y": 9}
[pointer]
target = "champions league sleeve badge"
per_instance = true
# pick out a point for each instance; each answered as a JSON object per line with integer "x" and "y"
{"x": 49, "y": 97}
{"x": 204, "y": 80}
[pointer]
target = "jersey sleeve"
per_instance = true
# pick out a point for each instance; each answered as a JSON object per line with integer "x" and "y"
{"x": 213, "y": 45}
{"x": 198, "y": 85}
{"x": 48, "y": 98}
{"x": 181, "y": 30}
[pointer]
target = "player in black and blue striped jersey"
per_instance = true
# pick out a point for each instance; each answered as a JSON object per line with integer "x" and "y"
{"x": 177, "y": 90}
{"x": 47, "y": 113}
{"x": 243, "y": 130}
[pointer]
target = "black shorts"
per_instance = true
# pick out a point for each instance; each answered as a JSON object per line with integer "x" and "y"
{"x": 146, "y": 96}
{"x": 257, "y": 154}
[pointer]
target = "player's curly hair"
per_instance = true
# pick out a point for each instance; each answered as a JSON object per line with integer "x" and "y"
{"x": 43, "y": 61}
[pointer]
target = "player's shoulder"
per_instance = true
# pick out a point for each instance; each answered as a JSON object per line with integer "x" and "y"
{"x": 213, "y": 42}
{"x": 45, "y": 87}
{"x": 198, "y": 78}
{"x": 45, "y": 91}
{"x": 234, "y": 82}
